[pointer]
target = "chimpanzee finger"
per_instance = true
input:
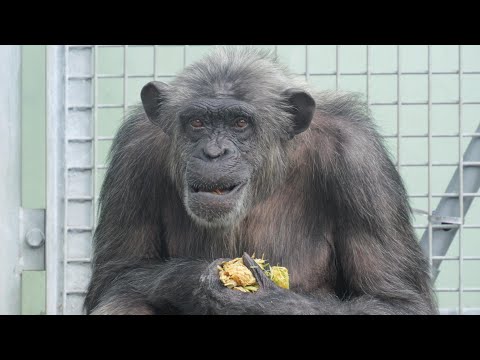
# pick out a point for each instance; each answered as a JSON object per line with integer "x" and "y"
{"x": 263, "y": 281}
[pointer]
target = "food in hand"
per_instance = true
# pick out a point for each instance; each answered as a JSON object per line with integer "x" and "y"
{"x": 235, "y": 275}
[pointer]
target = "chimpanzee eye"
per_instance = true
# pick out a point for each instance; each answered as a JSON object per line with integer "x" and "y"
{"x": 241, "y": 123}
{"x": 196, "y": 123}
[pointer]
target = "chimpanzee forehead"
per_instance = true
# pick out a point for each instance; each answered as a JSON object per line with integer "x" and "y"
{"x": 216, "y": 105}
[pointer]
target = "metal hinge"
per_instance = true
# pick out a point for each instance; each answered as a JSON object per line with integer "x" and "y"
{"x": 32, "y": 239}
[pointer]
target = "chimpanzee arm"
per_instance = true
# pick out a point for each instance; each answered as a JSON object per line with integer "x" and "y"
{"x": 153, "y": 287}
{"x": 378, "y": 254}
{"x": 273, "y": 300}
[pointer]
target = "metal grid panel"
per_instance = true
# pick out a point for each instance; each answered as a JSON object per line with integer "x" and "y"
{"x": 98, "y": 94}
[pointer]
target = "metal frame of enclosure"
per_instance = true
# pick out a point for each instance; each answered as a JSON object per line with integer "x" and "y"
{"x": 73, "y": 167}
{"x": 10, "y": 178}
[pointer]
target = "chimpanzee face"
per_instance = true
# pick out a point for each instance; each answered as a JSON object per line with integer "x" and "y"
{"x": 221, "y": 143}
{"x": 218, "y": 136}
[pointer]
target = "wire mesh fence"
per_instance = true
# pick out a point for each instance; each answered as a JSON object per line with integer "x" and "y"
{"x": 425, "y": 99}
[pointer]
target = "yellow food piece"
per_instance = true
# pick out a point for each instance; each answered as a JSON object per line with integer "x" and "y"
{"x": 279, "y": 275}
{"x": 235, "y": 275}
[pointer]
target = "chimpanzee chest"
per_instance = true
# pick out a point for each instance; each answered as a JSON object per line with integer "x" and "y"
{"x": 281, "y": 235}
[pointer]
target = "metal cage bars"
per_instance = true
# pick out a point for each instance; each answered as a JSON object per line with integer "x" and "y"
{"x": 91, "y": 110}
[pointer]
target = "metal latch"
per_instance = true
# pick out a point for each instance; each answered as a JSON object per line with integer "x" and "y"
{"x": 439, "y": 219}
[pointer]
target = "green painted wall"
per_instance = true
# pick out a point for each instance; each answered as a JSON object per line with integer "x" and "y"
{"x": 33, "y": 293}
{"x": 33, "y": 126}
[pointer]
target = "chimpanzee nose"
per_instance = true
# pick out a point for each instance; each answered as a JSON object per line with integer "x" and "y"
{"x": 214, "y": 149}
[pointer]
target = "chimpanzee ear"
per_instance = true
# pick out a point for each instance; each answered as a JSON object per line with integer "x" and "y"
{"x": 303, "y": 108}
{"x": 153, "y": 94}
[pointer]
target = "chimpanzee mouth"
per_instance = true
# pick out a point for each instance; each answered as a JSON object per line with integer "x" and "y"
{"x": 217, "y": 190}
{"x": 213, "y": 202}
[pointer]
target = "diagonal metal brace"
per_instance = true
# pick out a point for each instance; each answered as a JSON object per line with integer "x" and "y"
{"x": 448, "y": 209}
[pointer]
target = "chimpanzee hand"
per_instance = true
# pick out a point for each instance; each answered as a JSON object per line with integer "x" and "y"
{"x": 218, "y": 299}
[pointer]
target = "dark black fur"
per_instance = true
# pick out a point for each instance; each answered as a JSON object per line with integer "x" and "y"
{"x": 326, "y": 202}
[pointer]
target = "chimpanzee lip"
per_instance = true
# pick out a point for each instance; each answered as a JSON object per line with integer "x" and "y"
{"x": 215, "y": 190}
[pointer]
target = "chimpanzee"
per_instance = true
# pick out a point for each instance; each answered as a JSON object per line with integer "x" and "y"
{"x": 238, "y": 156}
